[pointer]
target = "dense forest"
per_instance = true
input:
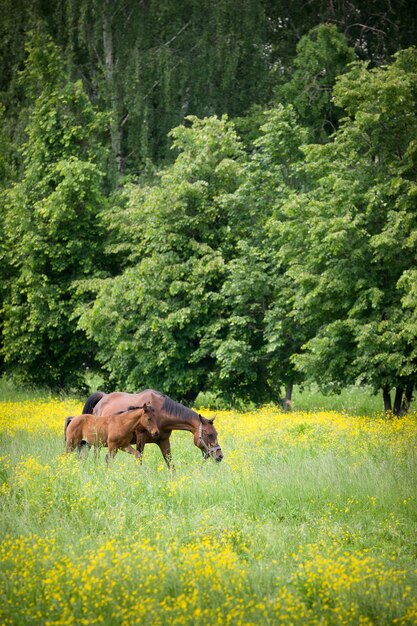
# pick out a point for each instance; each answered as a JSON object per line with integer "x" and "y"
{"x": 210, "y": 195}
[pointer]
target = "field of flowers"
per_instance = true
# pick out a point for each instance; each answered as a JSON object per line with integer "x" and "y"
{"x": 310, "y": 519}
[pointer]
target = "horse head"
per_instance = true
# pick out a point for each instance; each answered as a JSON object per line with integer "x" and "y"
{"x": 206, "y": 439}
{"x": 149, "y": 420}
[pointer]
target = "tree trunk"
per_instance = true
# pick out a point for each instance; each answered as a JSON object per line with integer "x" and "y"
{"x": 109, "y": 68}
{"x": 387, "y": 400}
{"x": 189, "y": 397}
{"x": 399, "y": 391}
{"x": 408, "y": 396}
{"x": 287, "y": 404}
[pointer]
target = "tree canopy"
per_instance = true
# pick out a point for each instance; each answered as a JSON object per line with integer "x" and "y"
{"x": 195, "y": 202}
{"x": 51, "y": 223}
{"x": 181, "y": 232}
{"x": 353, "y": 232}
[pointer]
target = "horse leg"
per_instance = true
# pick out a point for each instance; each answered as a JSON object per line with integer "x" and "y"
{"x": 96, "y": 452}
{"x": 111, "y": 453}
{"x": 70, "y": 446}
{"x": 131, "y": 450}
{"x": 72, "y": 442}
{"x": 165, "y": 448}
{"x": 140, "y": 446}
{"x": 83, "y": 448}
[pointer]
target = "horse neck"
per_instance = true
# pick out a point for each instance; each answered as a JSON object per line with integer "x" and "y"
{"x": 132, "y": 418}
{"x": 174, "y": 422}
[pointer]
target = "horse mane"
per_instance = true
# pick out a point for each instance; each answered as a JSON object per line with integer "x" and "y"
{"x": 129, "y": 408}
{"x": 176, "y": 409}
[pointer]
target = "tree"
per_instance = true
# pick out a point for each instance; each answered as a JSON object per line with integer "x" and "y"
{"x": 322, "y": 55}
{"x": 52, "y": 225}
{"x": 6, "y": 177}
{"x": 376, "y": 29}
{"x": 153, "y": 63}
{"x": 261, "y": 334}
{"x": 351, "y": 237}
{"x": 263, "y": 331}
{"x": 160, "y": 322}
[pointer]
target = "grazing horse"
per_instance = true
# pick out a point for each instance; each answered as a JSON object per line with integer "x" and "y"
{"x": 169, "y": 414}
{"x": 114, "y": 431}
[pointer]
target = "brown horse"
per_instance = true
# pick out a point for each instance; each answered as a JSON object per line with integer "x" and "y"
{"x": 114, "y": 431}
{"x": 169, "y": 414}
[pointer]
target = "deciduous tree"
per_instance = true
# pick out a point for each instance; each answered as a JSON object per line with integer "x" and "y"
{"x": 52, "y": 225}
{"x": 159, "y": 323}
{"x": 322, "y": 55}
{"x": 351, "y": 238}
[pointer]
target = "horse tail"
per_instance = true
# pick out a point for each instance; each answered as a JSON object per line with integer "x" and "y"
{"x": 91, "y": 401}
{"x": 67, "y": 422}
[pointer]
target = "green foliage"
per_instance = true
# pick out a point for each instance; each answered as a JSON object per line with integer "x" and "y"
{"x": 159, "y": 323}
{"x": 353, "y": 234}
{"x": 322, "y": 55}
{"x": 214, "y": 273}
{"x": 274, "y": 267}
{"x": 153, "y": 63}
{"x": 255, "y": 355}
{"x": 6, "y": 176}
{"x": 52, "y": 231}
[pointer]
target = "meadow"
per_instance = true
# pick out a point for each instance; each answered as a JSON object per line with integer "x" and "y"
{"x": 310, "y": 519}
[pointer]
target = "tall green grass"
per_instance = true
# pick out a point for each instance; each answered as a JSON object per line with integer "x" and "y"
{"x": 352, "y": 400}
{"x": 306, "y": 523}
{"x": 11, "y": 391}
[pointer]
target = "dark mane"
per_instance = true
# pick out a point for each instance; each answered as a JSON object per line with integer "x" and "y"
{"x": 176, "y": 409}
{"x": 129, "y": 408}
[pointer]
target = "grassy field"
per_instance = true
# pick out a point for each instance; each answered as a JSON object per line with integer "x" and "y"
{"x": 310, "y": 519}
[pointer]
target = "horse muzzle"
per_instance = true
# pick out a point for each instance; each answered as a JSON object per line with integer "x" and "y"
{"x": 218, "y": 456}
{"x": 214, "y": 453}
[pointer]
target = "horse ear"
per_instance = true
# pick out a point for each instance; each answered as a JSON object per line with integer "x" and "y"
{"x": 145, "y": 407}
